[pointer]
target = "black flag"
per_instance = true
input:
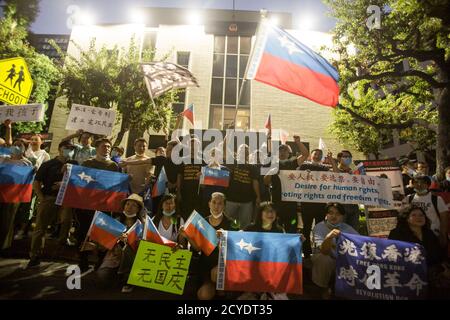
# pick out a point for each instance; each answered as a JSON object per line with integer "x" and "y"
{"x": 163, "y": 76}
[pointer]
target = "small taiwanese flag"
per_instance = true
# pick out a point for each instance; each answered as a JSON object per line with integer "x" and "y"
{"x": 134, "y": 234}
{"x": 151, "y": 234}
{"x": 159, "y": 188}
{"x": 360, "y": 169}
{"x": 215, "y": 177}
{"x": 268, "y": 124}
{"x": 105, "y": 230}
{"x": 15, "y": 183}
{"x": 189, "y": 113}
{"x": 199, "y": 231}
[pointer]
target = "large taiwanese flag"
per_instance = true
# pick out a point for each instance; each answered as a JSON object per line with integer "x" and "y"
{"x": 87, "y": 188}
{"x": 260, "y": 262}
{"x": 199, "y": 231}
{"x": 105, "y": 230}
{"x": 280, "y": 60}
{"x": 15, "y": 183}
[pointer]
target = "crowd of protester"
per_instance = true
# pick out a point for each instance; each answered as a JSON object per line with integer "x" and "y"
{"x": 251, "y": 202}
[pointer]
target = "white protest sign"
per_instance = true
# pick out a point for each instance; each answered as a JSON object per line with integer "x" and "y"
{"x": 91, "y": 119}
{"x": 22, "y": 113}
{"x": 319, "y": 186}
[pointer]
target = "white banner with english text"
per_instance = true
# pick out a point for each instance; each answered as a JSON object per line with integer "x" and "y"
{"x": 320, "y": 186}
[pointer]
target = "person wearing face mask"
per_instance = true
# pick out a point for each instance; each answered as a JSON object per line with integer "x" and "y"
{"x": 286, "y": 209}
{"x": 167, "y": 219}
{"x": 34, "y": 153}
{"x": 313, "y": 211}
{"x": 324, "y": 253}
{"x": 37, "y": 156}
{"x": 208, "y": 264}
{"x": 9, "y": 210}
{"x": 116, "y": 154}
{"x": 433, "y": 205}
{"x": 140, "y": 173}
{"x": 351, "y": 210}
{"x": 83, "y": 149}
{"x": 116, "y": 265}
{"x": 102, "y": 161}
{"x": 46, "y": 186}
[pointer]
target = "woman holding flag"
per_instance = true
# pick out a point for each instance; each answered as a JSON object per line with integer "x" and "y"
{"x": 118, "y": 261}
{"x": 208, "y": 264}
{"x": 167, "y": 220}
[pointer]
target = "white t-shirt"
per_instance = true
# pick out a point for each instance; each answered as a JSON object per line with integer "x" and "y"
{"x": 427, "y": 205}
{"x": 37, "y": 157}
{"x": 140, "y": 174}
{"x": 168, "y": 233}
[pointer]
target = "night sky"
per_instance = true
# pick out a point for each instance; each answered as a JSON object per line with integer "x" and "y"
{"x": 54, "y": 13}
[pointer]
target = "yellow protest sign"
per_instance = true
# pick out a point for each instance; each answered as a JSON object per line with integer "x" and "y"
{"x": 157, "y": 267}
{"x": 15, "y": 81}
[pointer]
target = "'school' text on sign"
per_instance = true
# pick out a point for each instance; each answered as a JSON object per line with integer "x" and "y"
{"x": 319, "y": 186}
{"x": 22, "y": 113}
{"x": 91, "y": 119}
{"x": 158, "y": 267}
{"x": 15, "y": 81}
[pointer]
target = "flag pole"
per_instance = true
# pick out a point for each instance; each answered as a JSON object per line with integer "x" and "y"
{"x": 251, "y": 56}
{"x": 239, "y": 100}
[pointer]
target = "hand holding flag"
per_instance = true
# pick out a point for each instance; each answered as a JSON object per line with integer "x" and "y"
{"x": 201, "y": 233}
{"x": 152, "y": 234}
{"x": 105, "y": 230}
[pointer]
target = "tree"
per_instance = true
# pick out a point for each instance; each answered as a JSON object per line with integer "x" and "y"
{"x": 42, "y": 69}
{"x": 26, "y": 11}
{"x": 376, "y": 90}
{"x": 113, "y": 79}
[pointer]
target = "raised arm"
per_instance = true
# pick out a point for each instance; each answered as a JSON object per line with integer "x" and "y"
{"x": 76, "y": 134}
{"x": 8, "y": 135}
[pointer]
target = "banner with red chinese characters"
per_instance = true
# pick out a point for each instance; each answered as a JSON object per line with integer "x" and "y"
{"x": 319, "y": 186}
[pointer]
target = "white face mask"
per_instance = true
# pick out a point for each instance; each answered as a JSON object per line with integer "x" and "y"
{"x": 216, "y": 216}
{"x": 168, "y": 214}
{"x": 129, "y": 215}
{"x": 267, "y": 226}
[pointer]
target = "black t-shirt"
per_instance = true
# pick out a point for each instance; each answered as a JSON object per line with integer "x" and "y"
{"x": 289, "y": 164}
{"x": 254, "y": 228}
{"x": 241, "y": 182}
{"x": 101, "y": 165}
{"x": 170, "y": 168}
{"x": 189, "y": 179}
{"x": 209, "y": 262}
{"x": 429, "y": 241}
{"x": 49, "y": 173}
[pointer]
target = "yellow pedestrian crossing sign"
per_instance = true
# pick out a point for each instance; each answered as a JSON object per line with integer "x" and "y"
{"x": 15, "y": 81}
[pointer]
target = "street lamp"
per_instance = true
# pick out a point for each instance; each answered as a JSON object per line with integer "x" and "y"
{"x": 194, "y": 18}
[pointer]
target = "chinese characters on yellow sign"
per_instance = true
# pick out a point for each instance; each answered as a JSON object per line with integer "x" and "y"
{"x": 157, "y": 267}
{"x": 15, "y": 81}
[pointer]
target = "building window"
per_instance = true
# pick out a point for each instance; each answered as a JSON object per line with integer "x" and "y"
{"x": 229, "y": 62}
{"x": 182, "y": 60}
